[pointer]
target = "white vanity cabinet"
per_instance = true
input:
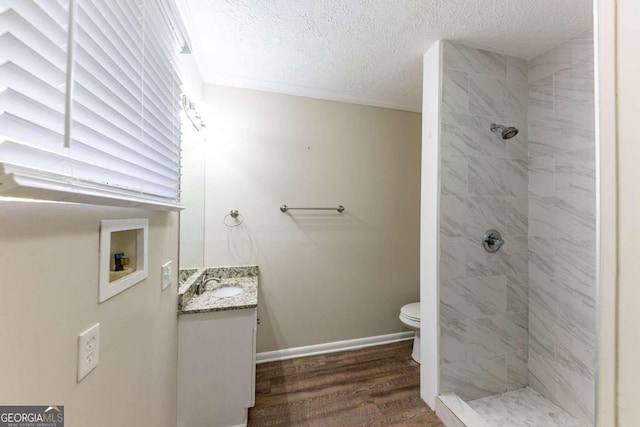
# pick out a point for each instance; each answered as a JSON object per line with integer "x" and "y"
{"x": 216, "y": 367}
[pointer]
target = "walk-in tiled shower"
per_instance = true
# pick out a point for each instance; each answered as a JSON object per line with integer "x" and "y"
{"x": 525, "y": 315}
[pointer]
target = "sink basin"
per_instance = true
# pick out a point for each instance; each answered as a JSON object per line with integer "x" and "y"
{"x": 226, "y": 291}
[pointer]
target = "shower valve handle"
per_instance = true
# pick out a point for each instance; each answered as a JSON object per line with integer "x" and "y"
{"x": 492, "y": 241}
{"x": 496, "y": 241}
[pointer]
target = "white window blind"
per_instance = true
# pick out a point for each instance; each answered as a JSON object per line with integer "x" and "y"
{"x": 120, "y": 98}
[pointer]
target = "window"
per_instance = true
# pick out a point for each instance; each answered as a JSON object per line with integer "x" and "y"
{"x": 90, "y": 101}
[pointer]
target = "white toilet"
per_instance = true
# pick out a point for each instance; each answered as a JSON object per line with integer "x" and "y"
{"x": 410, "y": 317}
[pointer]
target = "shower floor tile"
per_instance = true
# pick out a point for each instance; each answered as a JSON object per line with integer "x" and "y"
{"x": 522, "y": 408}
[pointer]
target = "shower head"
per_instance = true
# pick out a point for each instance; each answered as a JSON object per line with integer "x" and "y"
{"x": 507, "y": 132}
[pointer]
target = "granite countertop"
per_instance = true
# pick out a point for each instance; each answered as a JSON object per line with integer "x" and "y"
{"x": 245, "y": 277}
{"x": 187, "y": 274}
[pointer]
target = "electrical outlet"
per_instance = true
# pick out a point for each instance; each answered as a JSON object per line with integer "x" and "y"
{"x": 167, "y": 274}
{"x": 88, "y": 350}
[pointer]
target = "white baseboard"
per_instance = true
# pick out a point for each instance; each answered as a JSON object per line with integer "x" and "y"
{"x": 332, "y": 347}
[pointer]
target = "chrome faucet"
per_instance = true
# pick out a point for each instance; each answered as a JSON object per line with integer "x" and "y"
{"x": 202, "y": 285}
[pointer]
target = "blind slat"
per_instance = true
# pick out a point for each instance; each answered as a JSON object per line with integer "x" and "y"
{"x": 102, "y": 89}
{"x": 126, "y": 149}
{"x": 15, "y": 51}
{"x": 30, "y": 86}
{"x": 21, "y": 129}
{"x": 131, "y": 51}
{"x": 17, "y": 104}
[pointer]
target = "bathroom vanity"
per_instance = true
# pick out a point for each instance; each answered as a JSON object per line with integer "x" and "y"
{"x": 217, "y": 347}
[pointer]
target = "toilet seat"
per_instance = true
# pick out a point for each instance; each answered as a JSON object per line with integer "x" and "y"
{"x": 411, "y": 311}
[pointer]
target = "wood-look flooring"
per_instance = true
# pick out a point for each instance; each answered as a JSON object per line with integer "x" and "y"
{"x": 376, "y": 386}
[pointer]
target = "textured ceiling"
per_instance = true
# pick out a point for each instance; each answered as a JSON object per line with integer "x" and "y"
{"x": 363, "y": 51}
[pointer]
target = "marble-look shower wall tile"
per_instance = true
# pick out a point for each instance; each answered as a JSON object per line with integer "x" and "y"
{"x": 453, "y": 176}
{"x": 542, "y": 336}
{"x": 575, "y": 170}
{"x": 516, "y": 252}
{"x": 571, "y": 54}
{"x": 552, "y": 137}
{"x": 468, "y": 135}
{"x": 517, "y": 70}
{"x": 518, "y": 329}
{"x": 543, "y": 374}
{"x": 516, "y": 177}
{"x": 575, "y": 362}
{"x": 510, "y": 259}
{"x": 541, "y": 99}
{"x": 541, "y": 259}
{"x": 575, "y": 320}
{"x": 518, "y": 147}
{"x": 581, "y": 116}
{"x": 455, "y": 91}
{"x": 574, "y": 85}
{"x": 543, "y": 294}
{"x": 517, "y": 215}
{"x": 517, "y": 293}
{"x": 481, "y": 265}
{"x": 470, "y": 216}
{"x": 575, "y": 262}
{"x": 543, "y": 66}
{"x": 574, "y": 390}
{"x": 490, "y": 176}
{"x": 468, "y": 59}
{"x": 453, "y": 344}
{"x": 454, "y": 218}
{"x": 484, "y": 185}
{"x": 543, "y": 216}
{"x": 475, "y": 379}
{"x": 496, "y": 335}
{"x": 576, "y": 355}
{"x": 577, "y": 51}
{"x": 486, "y": 96}
{"x": 576, "y": 214}
{"x": 453, "y": 257}
{"x": 484, "y": 211}
{"x": 584, "y": 395}
{"x": 495, "y": 97}
{"x": 474, "y": 298}
{"x": 487, "y": 176}
{"x": 517, "y": 369}
{"x": 542, "y": 176}
{"x": 562, "y": 218}
{"x": 487, "y": 337}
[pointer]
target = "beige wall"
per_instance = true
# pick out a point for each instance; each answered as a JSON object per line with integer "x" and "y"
{"x": 324, "y": 276}
{"x": 49, "y": 288}
{"x": 628, "y": 62}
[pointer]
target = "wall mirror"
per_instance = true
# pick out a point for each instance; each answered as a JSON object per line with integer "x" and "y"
{"x": 193, "y": 197}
